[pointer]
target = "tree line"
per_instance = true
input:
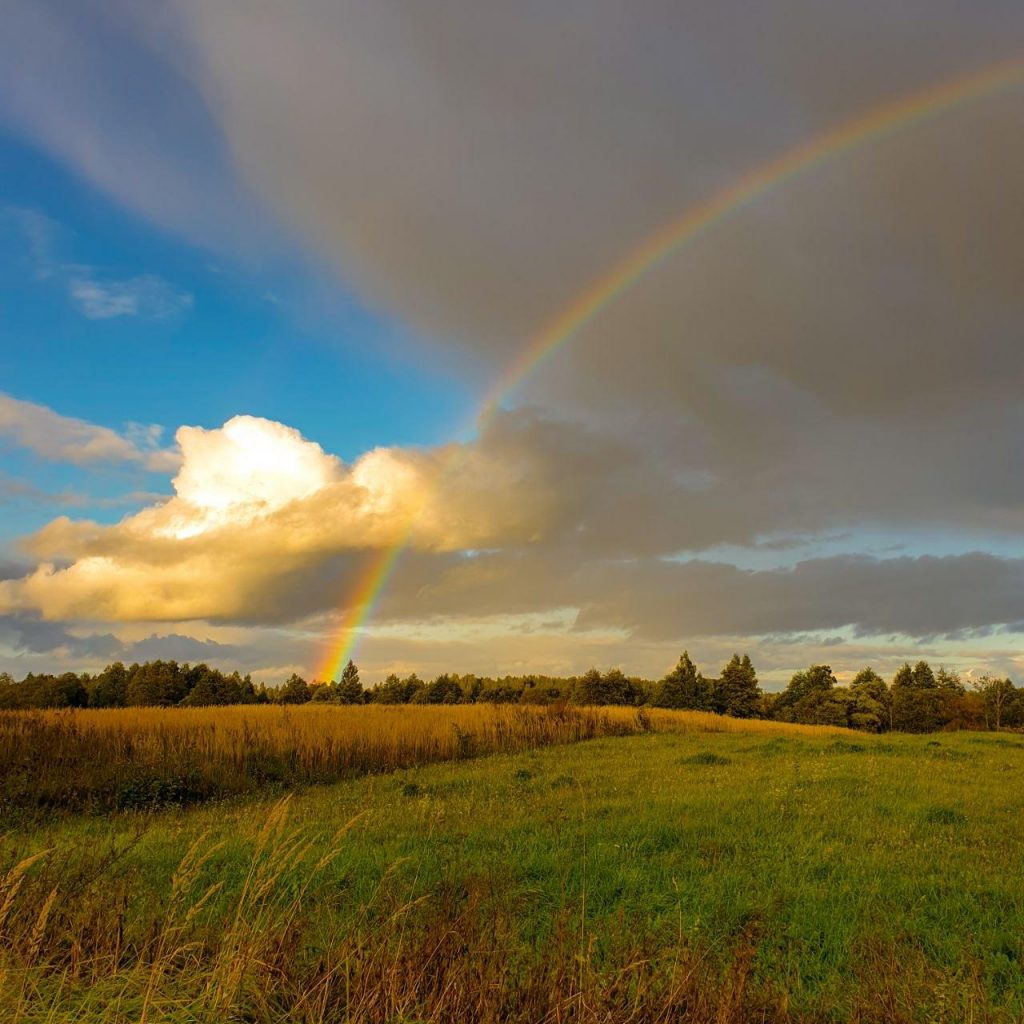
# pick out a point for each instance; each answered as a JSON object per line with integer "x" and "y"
{"x": 917, "y": 699}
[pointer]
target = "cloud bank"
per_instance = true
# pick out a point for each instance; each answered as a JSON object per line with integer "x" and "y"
{"x": 265, "y": 526}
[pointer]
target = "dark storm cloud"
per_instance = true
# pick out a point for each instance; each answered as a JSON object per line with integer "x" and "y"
{"x": 176, "y": 647}
{"x": 925, "y": 597}
{"x": 27, "y": 634}
{"x": 10, "y": 570}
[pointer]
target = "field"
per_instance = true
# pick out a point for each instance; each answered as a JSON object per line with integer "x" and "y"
{"x": 672, "y": 874}
{"x": 142, "y": 758}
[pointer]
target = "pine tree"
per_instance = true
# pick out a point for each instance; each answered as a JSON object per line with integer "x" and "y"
{"x": 350, "y": 690}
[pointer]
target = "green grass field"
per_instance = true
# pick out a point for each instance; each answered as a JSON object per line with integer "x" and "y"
{"x": 659, "y": 877}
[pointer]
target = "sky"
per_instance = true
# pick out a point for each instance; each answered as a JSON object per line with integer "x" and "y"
{"x": 274, "y": 278}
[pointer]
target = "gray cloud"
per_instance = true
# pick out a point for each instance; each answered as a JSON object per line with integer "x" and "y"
{"x": 68, "y": 439}
{"x": 11, "y": 570}
{"x": 29, "y": 644}
{"x": 178, "y": 647}
{"x": 27, "y": 634}
{"x": 653, "y": 600}
{"x": 486, "y": 164}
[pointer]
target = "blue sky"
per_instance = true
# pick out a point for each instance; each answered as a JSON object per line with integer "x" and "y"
{"x": 275, "y": 340}
{"x": 258, "y": 270}
{"x": 255, "y": 336}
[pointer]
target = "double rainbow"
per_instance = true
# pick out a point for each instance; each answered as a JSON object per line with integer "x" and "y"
{"x": 882, "y": 121}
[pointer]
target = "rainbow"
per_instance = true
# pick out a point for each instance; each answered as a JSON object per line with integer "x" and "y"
{"x": 878, "y": 123}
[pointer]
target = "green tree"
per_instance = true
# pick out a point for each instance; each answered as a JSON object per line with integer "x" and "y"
{"x": 443, "y": 690}
{"x": 350, "y": 690}
{"x": 391, "y": 691}
{"x": 323, "y": 693}
{"x": 156, "y": 683}
{"x": 202, "y": 694}
{"x": 611, "y": 688}
{"x": 946, "y": 679}
{"x": 683, "y": 687}
{"x": 295, "y": 690}
{"x": 539, "y": 695}
{"x": 63, "y": 691}
{"x": 869, "y": 703}
{"x": 955, "y": 709}
{"x": 923, "y": 676}
{"x": 109, "y": 688}
{"x": 807, "y": 690}
{"x": 916, "y": 699}
{"x": 736, "y": 692}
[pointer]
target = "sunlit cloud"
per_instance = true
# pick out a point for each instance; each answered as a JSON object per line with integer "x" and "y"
{"x": 258, "y": 513}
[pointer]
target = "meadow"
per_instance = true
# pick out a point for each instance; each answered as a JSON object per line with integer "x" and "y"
{"x": 691, "y": 868}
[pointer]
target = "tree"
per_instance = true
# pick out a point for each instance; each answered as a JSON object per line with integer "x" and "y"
{"x": 997, "y": 695}
{"x": 620, "y": 689}
{"x": 509, "y": 690}
{"x": 736, "y": 692}
{"x": 946, "y": 679}
{"x": 828, "y": 707}
{"x": 539, "y": 695}
{"x": 924, "y": 677}
{"x": 156, "y": 683}
{"x": 202, "y": 694}
{"x": 683, "y": 687}
{"x": 443, "y": 690}
{"x": 350, "y": 690}
{"x": 63, "y": 691}
{"x": 391, "y": 691}
{"x": 109, "y": 688}
{"x": 916, "y": 699}
{"x": 869, "y": 702}
{"x": 295, "y": 690}
{"x": 804, "y": 697}
{"x": 955, "y": 709}
{"x": 611, "y": 688}
{"x": 323, "y": 693}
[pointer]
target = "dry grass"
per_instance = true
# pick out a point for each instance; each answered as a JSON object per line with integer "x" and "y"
{"x": 134, "y": 758}
{"x": 705, "y": 721}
